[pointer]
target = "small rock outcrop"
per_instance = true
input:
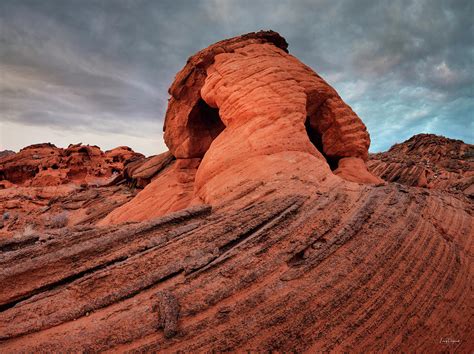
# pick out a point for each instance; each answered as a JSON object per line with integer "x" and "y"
{"x": 141, "y": 172}
{"x": 43, "y": 165}
{"x": 6, "y": 153}
{"x": 429, "y": 161}
{"x": 43, "y": 187}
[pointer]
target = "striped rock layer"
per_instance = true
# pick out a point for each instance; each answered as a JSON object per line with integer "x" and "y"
{"x": 347, "y": 269}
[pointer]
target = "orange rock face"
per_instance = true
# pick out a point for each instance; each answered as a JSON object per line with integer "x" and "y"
{"x": 171, "y": 189}
{"x": 261, "y": 229}
{"x": 245, "y": 103}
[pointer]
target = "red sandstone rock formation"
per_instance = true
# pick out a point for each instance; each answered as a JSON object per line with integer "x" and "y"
{"x": 349, "y": 269}
{"x": 6, "y": 153}
{"x": 241, "y": 104}
{"x": 300, "y": 249}
{"x": 46, "y": 165}
{"x": 41, "y": 210}
{"x": 430, "y": 161}
{"x": 141, "y": 172}
{"x": 44, "y": 187}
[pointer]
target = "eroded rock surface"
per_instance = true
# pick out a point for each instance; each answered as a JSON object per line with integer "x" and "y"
{"x": 261, "y": 229}
{"x": 350, "y": 268}
{"x": 429, "y": 161}
{"x": 6, "y": 153}
{"x": 26, "y": 211}
{"x": 43, "y": 187}
{"x": 46, "y": 165}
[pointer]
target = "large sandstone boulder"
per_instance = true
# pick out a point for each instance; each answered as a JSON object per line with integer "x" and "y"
{"x": 244, "y": 111}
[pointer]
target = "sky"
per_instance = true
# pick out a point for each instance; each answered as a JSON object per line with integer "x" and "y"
{"x": 98, "y": 71}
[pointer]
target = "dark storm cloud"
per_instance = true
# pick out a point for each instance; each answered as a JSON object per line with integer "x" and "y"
{"x": 405, "y": 66}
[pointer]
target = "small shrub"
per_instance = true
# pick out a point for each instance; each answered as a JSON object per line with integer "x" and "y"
{"x": 6, "y": 215}
{"x": 60, "y": 220}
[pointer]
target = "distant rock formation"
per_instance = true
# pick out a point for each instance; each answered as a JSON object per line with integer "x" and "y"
{"x": 46, "y": 165}
{"x": 6, "y": 153}
{"x": 430, "y": 161}
{"x": 44, "y": 187}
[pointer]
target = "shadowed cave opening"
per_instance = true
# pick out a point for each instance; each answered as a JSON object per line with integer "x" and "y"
{"x": 204, "y": 125}
{"x": 317, "y": 141}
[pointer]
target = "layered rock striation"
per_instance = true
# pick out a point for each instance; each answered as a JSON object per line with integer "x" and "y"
{"x": 347, "y": 269}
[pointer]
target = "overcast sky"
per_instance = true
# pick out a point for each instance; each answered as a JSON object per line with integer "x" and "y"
{"x": 97, "y": 71}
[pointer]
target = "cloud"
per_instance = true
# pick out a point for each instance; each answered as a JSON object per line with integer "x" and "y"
{"x": 104, "y": 67}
